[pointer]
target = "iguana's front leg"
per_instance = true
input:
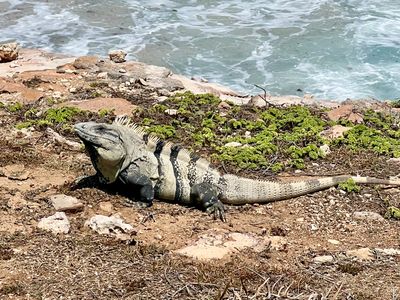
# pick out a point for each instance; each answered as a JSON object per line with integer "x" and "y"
{"x": 134, "y": 180}
{"x": 205, "y": 196}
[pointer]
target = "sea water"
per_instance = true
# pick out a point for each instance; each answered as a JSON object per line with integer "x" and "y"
{"x": 333, "y": 49}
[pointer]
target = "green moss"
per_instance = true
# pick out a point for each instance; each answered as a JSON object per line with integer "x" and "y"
{"x": 273, "y": 138}
{"x": 105, "y": 112}
{"x": 381, "y": 141}
{"x": 162, "y": 131}
{"x": 52, "y": 116}
{"x": 26, "y": 124}
{"x": 61, "y": 115}
{"x": 349, "y": 186}
{"x": 393, "y": 212}
{"x": 50, "y": 101}
{"x": 15, "y": 107}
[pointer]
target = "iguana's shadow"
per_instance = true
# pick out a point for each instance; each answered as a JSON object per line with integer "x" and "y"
{"x": 115, "y": 188}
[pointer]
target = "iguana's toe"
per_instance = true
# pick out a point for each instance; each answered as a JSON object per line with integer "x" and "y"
{"x": 217, "y": 210}
{"x": 137, "y": 204}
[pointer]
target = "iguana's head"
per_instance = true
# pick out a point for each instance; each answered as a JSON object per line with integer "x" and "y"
{"x": 106, "y": 146}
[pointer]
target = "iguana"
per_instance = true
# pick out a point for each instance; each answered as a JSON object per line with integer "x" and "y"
{"x": 122, "y": 152}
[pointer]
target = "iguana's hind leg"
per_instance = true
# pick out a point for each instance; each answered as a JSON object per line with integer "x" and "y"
{"x": 133, "y": 180}
{"x": 205, "y": 196}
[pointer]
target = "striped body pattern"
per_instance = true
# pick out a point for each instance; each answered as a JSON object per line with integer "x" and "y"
{"x": 178, "y": 171}
{"x": 122, "y": 151}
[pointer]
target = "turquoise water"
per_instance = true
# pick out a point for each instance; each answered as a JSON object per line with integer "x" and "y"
{"x": 334, "y": 49}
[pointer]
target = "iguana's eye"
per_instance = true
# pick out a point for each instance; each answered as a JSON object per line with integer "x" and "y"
{"x": 109, "y": 132}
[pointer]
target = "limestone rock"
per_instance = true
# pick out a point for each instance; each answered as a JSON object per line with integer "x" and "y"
{"x": 24, "y": 94}
{"x": 388, "y": 251}
{"x": 57, "y": 223}
{"x": 345, "y": 112}
{"x": 257, "y": 101}
{"x": 368, "y": 215}
{"x": 117, "y": 56}
{"x": 362, "y": 253}
{"x": 333, "y": 242}
{"x": 323, "y": 259}
{"x": 108, "y": 225}
{"x": 233, "y": 144}
{"x": 395, "y": 161}
{"x": 171, "y": 111}
{"x": 219, "y": 244}
{"x": 8, "y": 52}
{"x": 66, "y": 203}
{"x": 17, "y": 202}
{"x": 15, "y": 172}
{"x": 120, "y": 106}
{"x": 85, "y": 62}
{"x": 106, "y": 206}
{"x": 334, "y": 132}
{"x": 325, "y": 149}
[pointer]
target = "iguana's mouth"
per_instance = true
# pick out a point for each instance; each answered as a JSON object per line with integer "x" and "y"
{"x": 87, "y": 138}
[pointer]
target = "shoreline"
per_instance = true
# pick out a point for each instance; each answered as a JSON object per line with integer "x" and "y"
{"x": 30, "y": 60}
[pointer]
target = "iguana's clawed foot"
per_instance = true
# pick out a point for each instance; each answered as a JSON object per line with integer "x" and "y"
{"x": 137, "y": 204}
{"x": 217, "y": 210}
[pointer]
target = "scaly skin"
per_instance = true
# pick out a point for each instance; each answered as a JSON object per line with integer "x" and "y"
{"x": 122, "y": 152}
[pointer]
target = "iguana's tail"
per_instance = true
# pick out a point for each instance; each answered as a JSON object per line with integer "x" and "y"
{"x": 239, "y": 190}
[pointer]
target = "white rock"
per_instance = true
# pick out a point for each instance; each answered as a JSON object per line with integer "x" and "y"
{"x": 257, "y": 101}
{"x": 117, "y": 56}
{"x": 325, "y": 149}
{"x": 73, "y": 90}
{"x": 57, "y": 95}
{"x": 233, "y": 144}
{"x": 102, "y": 75}
{"x": 108, "y": 225}
{"x": 63, "y": 202}
{"x": 204, "y": 252}
{"x": 362, "y": 253}
{"x": 334, "y": 242}
{"x": 106, "y": 206}
{"x": 389, "y": 251}
{"x": 278, "y": 243}
{"x": 368, "y": 215}
{"x": 323, "y": 259}
{"x": 57, "y": 223}
{"x": 217, "y": 245}
{"x": 394, "y": 161}
{"x": 171, "y": 111}
{"x": 314, "y": 227}
{"x": 334, "y": 132}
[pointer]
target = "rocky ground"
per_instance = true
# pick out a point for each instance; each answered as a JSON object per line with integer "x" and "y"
{"x": 328, "y": 245}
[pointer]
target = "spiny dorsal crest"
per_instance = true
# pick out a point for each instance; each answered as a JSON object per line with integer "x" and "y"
{"x": 125, "y": 121}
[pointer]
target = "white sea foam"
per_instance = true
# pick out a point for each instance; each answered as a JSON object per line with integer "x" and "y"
{"x": 333, "y": 49}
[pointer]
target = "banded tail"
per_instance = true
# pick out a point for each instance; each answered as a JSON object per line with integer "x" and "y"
{"x": 240, "y": 190}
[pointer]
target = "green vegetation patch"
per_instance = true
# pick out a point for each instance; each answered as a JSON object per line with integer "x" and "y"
{"x": 349, "y": 186}
{"x": 267, "y": 139}
{"x": 393, "y": 212}
{"x": 60, "y": 119}
{"x": 53, "y": 116}
{"x": 379, "y": 133}
{"x": 270, "y": 138}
